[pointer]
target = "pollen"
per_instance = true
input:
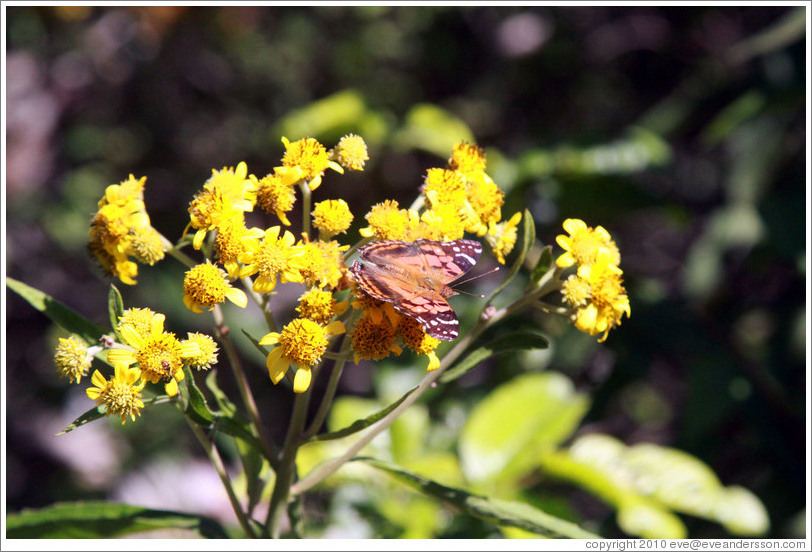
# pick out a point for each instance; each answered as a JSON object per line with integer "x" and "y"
{"x": 467, "y": 159}
{"x": 310, "y": 158}
{"x": 386, "y": 221}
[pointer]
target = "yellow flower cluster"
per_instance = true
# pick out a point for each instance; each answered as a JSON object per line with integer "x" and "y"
{"x": 380, "y": 329}
{"x": 148, "y": 354}
{"x": 121, "y": 229}
{"x": 459, "y": 198}
{"x": 595, "y": 292}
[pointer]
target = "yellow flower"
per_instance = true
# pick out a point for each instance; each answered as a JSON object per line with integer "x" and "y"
{"x": 419, "y": 341}
{"x": 121, "y": 395}
{"x": 351, "y": 152}
{"x": 387, "y": 222}
{"x": 206, "y": 285}
{"x": 229, "y": 244}
{"x": 583, "y": 244}
{"x": 272, "y": 257}
{"x": 121, "y": 229}
{"x": 308, "y": 159}
{"x": 501, "y": 237}
{"x": 160, "y": 354}
{"x": 444, "y": 186}
{"x": 597, "y": 296}
{"x": 320, "y": 306}
{"x": 322, "y": 263}
{"x": 375, "y": 309}
{"x": 486, "y": 199}
{"x": 443, "y": 222}
{"x": 332, "y": 217}
{"x": 228, "y": 193}
{"x": 147, "y": 245}
{"x": 301, "y": 342}
{"x": 467, "y": 159}
{"x": 72, "y": 358}
{"x": 138, "y": 318}
{"x": 275, "y": 195}
{"x": 208, "y": 351}
{"x": 371, "y": 340}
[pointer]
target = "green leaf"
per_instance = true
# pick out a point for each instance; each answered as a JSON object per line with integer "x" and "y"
{"x": 358, "y": 425}
{"x": 505, "y": 344}
{"x": 196, "y": 407}
{"x": 259, "y": 347}
{"x": 328, "y": 117}
{"x": 505, "y": 432}
{"x": 101, "y": 411}
{"x": 60, "y": 314}
{"x": 528, "y": 239}
{"x": 542, "y": 266}
{"x": 500, "y": 512}
{"x": 115, "y": 307}
{"x": 86, "y": 520}
{"x": 433, "y": 129}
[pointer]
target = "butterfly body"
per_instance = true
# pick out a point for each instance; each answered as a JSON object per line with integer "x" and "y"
{"x": 415, "y": 278}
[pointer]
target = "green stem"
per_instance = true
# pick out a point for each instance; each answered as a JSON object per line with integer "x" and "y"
{"x": 219, "y": 467}
{"x": 177, "y": 253}
{"x": 269, "y": 450}
{"x": 326, "y": 469}
{"x": 287, "y": 465}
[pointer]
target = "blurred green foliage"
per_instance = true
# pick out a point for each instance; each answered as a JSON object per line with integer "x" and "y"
{"x": 679, "y": 129}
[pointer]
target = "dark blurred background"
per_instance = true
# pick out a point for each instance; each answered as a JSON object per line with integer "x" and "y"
{"x": 679, "y": 129}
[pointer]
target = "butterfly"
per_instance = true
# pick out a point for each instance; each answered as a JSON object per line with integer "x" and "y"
{"x": 414, "y": 277}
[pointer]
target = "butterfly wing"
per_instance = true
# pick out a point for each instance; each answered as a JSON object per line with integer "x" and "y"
{"x": 413, "y": 277}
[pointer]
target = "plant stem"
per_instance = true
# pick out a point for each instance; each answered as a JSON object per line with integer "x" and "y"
{"x": 269, "y": 450}
{"x": 219, "y": 467}
{"x": 307, "y": 198}
{"x": 287, "y": 465}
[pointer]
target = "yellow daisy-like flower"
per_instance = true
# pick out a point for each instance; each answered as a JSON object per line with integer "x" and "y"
{"x": 308, "y": 159}
{"x": 301, "y": 342}
{"x": 351, "y": 152}
{"x": 320, "y": 306}
{"x": 147, "y": 245}
{"x": 138, "y": 318}
{"x": 322, "y": 263}
{"x": 583, "y": 244}
{"x": 444, "y": 186}
{"x": 371, "y": 340}
{"x": 208, "y": 351}
{"x": 272, "y": 257}
{"x": 467, "y": 159}
{"x": 388, "y": 222}
{"x": 501, "y": 237}
{"x": 206, "y": 285}
{"x": 229, "y": 244}
{"x": 419, "y": 341}
{"x": 375, "y": 309}
{"x": 332, "y": 217}
{"x": 443, "y": 222}
{"x": 160, "y": 354}
{"x": 72, "y": 358}
{"x": 276, "y": 196}
{"x": 121, "y": 395}
{"x": 227, "y": 192}
{"x": 486, "y": 199}
{"x": 597, "y": 296}
{"x": 121, "y": 229}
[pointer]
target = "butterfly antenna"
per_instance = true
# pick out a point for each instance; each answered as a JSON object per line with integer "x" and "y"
{"x": 473, "y": 278}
